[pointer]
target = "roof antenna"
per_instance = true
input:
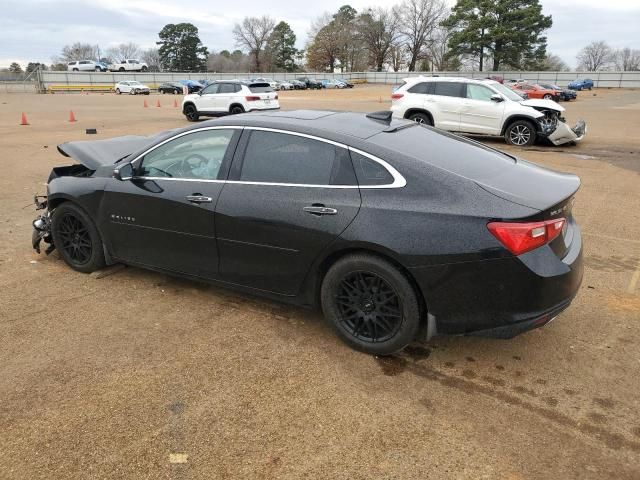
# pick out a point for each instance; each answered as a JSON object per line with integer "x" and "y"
{"x": 382, "y": 116}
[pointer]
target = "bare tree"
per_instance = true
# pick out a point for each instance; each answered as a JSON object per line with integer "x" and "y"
{"x": 152, "y": 58}
{"x": 554, "y": 63}
{"x": 323, "y": 46}
{"x": 397, "y": 56}
{"x": 378, "y": 30}
{"x": 78, "y": 51}
{"x": 253, "y": 34}
{"x": 595, "y": 56}
{"x": 627, "y": 60}
{"x": 124, "y": 51}
{"x": 418, "y": 20}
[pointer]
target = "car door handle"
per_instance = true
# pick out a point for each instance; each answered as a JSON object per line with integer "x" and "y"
{"x": 320, "y": 210}
{"x": 199, "y": 199}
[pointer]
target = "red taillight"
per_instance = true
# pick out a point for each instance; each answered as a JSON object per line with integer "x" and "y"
{"x": 397, "y": 96}
{"x": 519, "y": 238}
{"x": 252, "y": 99}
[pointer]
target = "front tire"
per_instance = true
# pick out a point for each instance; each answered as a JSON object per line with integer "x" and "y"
{"x": 191, "y": 112}
{"x": 520, "y": 133}
{"x": 548, "y": 97}
{"x": 77, "y": 238}
{"x": 118, "y": 91}
{"x": 370, "y": 304}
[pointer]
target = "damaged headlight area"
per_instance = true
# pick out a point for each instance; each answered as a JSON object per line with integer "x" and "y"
{"x": 554, "y": 128}
{"x": 42, "y": 226}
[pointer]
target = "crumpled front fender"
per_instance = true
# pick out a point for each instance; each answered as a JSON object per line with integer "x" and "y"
{"x": 563, "y": 134}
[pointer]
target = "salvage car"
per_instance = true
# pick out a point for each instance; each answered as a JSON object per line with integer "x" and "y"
{"x": 533, "y": 90}
{"x": 395, "y": 230}
{"x": 564, "y": 94}
{"x": 171, "y": 87}
{"x": 132, "y": 87}
{"x": 581, "y": 84}
{"x": 483, "y": 107}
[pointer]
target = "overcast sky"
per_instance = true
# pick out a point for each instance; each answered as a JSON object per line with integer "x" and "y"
{"x": 36, "y": 30}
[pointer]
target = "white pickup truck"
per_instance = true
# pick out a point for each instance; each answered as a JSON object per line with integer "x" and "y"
{"x": 129, "y": 65}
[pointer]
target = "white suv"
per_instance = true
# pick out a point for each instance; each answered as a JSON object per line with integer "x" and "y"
{"x": 229, "y": 97}
{"x": 483, "y": 107}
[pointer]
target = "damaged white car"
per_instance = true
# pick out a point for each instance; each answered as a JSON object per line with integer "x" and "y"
{"x": 483, "y": 107}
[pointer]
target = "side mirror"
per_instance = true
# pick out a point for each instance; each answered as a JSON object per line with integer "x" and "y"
{"x": 123, "y": 173}
{"x": 496, "y": 97}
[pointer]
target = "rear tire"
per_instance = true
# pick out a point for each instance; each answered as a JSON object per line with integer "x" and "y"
{"x": 370, "y": 304}
{"x": 77, "y": 239}
{"x": 421, "y": 118}
{"x": 520, "y": 133}
{"x": 236, "y": 109}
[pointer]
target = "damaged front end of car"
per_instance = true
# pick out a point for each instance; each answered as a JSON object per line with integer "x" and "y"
{"x": 553, "y": 125}
{"x": 42, "y": 226}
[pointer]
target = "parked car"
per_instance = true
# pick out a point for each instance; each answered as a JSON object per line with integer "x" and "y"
{"x": 298, "y": 85}
{"x": 192, "y": 85}
{"x": 497, "y": 78}
{"x": 536, "y": 91}
{"x": 581, "y": 84}
{"x": 286, "y": 85}
{"x": 565, "y": 94}
{"x": 223, "y": 98}
{"x": 310, "y": 83}
{"x": 482, "y": 107}
{"x": 132, "y": 87}
{"x": 342, "y": 211}
{"x": 171, "y": 87}
{"x": 86, "y": 66}
{"x": 327, "y": 83}
{"x": 129, "y": 65}
{"x": 346, "y": 83}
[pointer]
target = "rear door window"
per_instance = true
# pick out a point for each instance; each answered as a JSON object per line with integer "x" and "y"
{"x": 370, "y": 172}
{"x": 272, "y": 157}
{"x": 449, "y": 89}
{"x": 226, "y": 88}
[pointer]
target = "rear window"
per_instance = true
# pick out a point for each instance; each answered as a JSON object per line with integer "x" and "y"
{"x": 260, "y": 88}
{"x": 444, "y": 150}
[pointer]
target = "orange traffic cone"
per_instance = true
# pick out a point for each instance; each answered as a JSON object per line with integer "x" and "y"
{"x": 145, "y": 104}
{"x": 175, "y": 104}
{"x": 158, "y": 103}
{"x": 23, "y": 120}
{"x": 72, "y": 117}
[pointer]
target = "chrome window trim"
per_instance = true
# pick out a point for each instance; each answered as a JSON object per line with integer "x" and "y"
{"x": 398, "y": 180}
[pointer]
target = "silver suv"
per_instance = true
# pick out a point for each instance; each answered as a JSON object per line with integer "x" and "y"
{"x": 86, "y": 66}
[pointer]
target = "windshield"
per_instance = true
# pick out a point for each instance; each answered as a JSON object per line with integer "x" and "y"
{"x": 507, "y": 92}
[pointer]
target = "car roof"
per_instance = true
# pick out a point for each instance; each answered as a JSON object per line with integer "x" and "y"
{"x": 332, "y": 125}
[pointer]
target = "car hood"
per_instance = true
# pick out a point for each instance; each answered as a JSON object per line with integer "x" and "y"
{"x": 96, "y": 153}
{"x": 530, "y": 185}
{"x": 541, "y": 103}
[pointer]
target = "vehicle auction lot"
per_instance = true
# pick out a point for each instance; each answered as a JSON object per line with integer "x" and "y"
{"x": 141, "y": 375}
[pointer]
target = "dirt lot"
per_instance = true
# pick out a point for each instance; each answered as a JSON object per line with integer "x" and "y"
{"x": 139, "y": 375}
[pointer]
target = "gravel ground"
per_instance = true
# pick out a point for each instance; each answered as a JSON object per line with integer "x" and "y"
{"x": 140, "y": 375}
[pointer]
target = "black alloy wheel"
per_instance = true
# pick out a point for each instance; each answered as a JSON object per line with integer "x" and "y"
{"x": 370, "y": 309}
{"x": 370, "y": 304}
{"x": 236, "y": 109}
{"x": 76, "y": 238}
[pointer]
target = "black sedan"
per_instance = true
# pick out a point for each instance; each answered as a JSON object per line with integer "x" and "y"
{"x": 310, "y": 83}
{"x": 170, "y": 87}
{"x": 396, "y": 230}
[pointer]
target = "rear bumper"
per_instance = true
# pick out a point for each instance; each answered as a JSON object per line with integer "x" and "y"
{"x": 503, "y": 297}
